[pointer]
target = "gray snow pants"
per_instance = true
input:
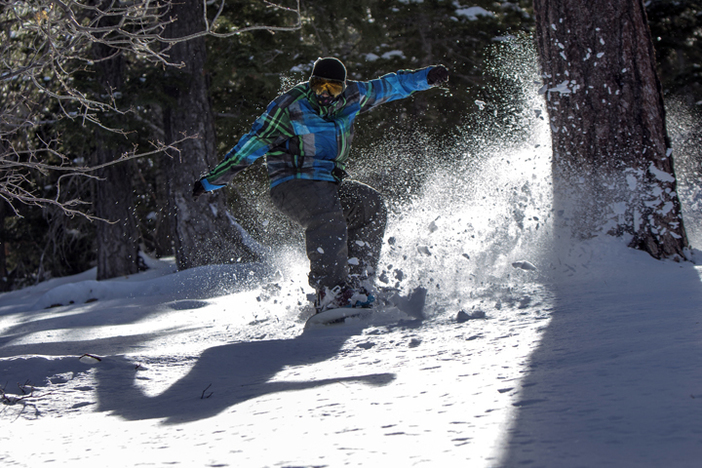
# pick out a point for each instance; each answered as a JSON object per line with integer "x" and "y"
{"x": 344, "y": 227}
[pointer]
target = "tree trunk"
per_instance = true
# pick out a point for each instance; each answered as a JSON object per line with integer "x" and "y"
{"x": 163, "y": 234}
{"x": 612, "y": 164}
{"x": 204, "y": 233}
{"x": 4, "y": 280}
{"x": 118, "y": 238}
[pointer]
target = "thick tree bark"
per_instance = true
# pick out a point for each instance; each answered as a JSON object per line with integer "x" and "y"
{"x": 204, "y": 232}
{"x": 612, "y": 164}
{"x": 118, "y": 238}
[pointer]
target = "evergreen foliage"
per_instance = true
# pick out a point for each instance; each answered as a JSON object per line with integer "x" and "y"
{"x": 676, "y": 27}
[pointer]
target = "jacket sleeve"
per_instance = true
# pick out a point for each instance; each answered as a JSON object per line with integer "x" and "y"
{"x": 270, "y": 129}
{"x": 392, "y": 87}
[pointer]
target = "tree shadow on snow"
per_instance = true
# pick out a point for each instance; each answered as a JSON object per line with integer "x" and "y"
{"x": 92, "y": 315}
{"x": 617, "y": 377}
{"x": 222, "y": 377}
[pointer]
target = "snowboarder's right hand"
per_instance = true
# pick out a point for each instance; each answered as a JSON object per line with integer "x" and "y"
{"x": 198, "y": 189}
{"x": 438, "y": 75}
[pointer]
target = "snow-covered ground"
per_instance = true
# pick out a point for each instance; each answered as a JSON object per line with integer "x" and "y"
{"x": 599, "y": 367}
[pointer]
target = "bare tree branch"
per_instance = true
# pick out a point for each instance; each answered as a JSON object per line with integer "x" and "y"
{"x": 45, "y": 44}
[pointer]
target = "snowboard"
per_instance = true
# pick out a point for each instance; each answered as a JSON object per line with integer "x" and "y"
{"x": 411, "y": 305}
{"x": 337, "y": 316}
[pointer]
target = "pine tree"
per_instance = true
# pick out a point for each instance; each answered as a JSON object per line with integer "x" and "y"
{"x": 117, "y": 236}
{"x": 203, "y": 231}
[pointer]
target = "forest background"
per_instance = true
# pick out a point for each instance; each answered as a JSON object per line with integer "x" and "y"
{"x": 242, "y": 73}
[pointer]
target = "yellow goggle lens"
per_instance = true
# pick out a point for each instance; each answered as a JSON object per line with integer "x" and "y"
{"x": 319, "y": 85}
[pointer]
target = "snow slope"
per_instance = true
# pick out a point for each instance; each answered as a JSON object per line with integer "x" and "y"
{"x": 594, "y": 359}
{"x": 232, "y": 379}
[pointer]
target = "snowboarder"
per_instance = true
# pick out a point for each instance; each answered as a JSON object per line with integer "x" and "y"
{"x": 306, "y": 135}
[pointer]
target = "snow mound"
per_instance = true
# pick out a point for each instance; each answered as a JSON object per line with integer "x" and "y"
{"x": 200, "y": 282}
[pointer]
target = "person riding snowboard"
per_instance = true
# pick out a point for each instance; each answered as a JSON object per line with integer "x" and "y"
{"x": 306, "y": 135}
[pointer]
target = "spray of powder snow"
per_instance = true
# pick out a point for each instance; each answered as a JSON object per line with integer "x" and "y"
{"x": 482, "y": 224}
{"x": 480, "y": 220}
{"x": 467, "y": 216}
{"x": 685, "y": 133}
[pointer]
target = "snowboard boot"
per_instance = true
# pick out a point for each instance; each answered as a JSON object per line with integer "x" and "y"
{"x": 342, "y": 296}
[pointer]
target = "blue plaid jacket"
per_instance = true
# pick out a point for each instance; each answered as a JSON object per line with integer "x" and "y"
{"x": 303, "y": 140}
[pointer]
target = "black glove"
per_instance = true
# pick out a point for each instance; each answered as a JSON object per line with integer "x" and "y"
{"x": 198, "y": 189}
{"x": 438, "y": 75}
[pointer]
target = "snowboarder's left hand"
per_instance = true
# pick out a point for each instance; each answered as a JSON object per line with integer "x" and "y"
{"x": 198, "y": 189}
{"x": 438, "y": 75}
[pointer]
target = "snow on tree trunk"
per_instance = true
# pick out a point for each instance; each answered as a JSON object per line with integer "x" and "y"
{"x": 203, "y": 231}
{"x": 612, "y": 163}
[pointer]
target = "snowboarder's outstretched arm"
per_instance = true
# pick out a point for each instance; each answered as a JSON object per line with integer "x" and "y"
{"x": 268, "y": 130}
{"x": 400, "y": 85}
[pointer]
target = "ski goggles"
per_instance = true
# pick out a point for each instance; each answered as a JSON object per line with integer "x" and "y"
{"x": 333, "y": 87}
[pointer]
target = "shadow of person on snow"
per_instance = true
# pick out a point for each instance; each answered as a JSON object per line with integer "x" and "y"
{"x": 222, "y": 377}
